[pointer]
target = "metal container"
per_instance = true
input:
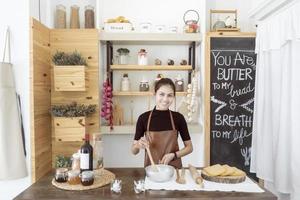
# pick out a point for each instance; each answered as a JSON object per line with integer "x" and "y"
{"x": 164, "y": 173}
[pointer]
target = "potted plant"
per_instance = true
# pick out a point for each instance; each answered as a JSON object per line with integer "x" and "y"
{"x": 69, "y": 120}
{"x": 69, "y": 71}
{"x": 123, "y": 54}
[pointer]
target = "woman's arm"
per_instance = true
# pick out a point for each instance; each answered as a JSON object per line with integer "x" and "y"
{"x": 187, "y": 149}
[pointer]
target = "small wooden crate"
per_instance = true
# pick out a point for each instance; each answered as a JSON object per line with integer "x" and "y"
{"x": 69, "y": 129}
{"x": 69, "y": 78}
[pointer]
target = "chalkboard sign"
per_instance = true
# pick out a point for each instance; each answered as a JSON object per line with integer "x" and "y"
{"x": 232, "y": 82}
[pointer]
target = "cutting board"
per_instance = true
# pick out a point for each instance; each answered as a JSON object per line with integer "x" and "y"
{"x": 223, "y": 179}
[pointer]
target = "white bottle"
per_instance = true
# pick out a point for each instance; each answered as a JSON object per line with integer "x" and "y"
{"x": 125, "y": 83}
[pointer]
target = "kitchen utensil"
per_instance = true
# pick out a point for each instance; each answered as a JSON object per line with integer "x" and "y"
{"x": 180, "y": 178}
{"x": 164, "y": 174}
{"x": 195, "y": 175}
{"x": 155, "y": 169}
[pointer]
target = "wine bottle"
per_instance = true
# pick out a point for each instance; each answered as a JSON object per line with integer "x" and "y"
{"x": 86, "y": 155}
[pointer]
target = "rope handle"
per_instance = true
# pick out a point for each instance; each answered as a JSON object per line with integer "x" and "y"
{"x": 7, "y": 45}
{"x": 190, "y": 11}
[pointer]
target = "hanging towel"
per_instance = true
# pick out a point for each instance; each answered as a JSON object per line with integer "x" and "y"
{"x": 12, "y": 158}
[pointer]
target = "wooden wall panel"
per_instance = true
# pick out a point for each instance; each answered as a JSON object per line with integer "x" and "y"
{"x": 86, "y": 42}
{"x": 40, "y": 100}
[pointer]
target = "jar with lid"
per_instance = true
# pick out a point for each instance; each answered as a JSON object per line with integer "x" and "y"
{"x": 60, "y": 16}
{"x": 76, "y": 161}
{"x": 125, "y": 83}
{"x": 142, "y": 57}
{"x": 144, "y": 85}
{"x": 89, "y": 17}
{"x": 87, "y": 178}
{"x": 74, "y": 17}
{"x": 179, "y": 84}
{"x": 73, "y": 177}
{"x": 61, "y": 175}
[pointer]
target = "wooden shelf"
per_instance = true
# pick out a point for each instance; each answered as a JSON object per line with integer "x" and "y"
{"x": 130, "y": 129}
{"x": 151, "y": 67}
{"x": 138, "y": 93}
{"x": 150, "y": 38}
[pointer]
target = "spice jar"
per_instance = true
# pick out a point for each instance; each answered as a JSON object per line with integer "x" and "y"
{"x": 74, "y": 20}
{"x": 61, "y": 175}
{"x": 76, "y": 161}
{"x": 142, "y": 57}
{"x": 89, "y": 17}
{"x": 60, "y": 16}
{"x": 125, "y": 83}
{"x": 73, "y": 177}
{"x": 87, "y": 178}
{"x": 179, "y": 84}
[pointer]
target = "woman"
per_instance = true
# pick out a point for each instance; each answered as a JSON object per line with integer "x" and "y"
{"x": 158, "y": 129}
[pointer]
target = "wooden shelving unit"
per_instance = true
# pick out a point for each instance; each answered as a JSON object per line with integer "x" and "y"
{"x": 138, "y": 93}
{"x": 150, "y": 38}
{"x": 151, "y": 67}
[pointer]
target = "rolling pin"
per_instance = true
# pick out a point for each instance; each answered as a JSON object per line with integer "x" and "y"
{"x": 195, "y": 175}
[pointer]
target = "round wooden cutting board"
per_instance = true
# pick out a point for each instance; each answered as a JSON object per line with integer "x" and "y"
{"x": 223, "y": 179}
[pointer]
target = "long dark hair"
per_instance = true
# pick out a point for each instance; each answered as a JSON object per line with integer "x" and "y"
{"x": 162, "y": 82}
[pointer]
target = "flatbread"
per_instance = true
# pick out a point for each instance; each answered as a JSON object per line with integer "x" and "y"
{"x": 228, "y": 170}
{"x": 214, "y": 170}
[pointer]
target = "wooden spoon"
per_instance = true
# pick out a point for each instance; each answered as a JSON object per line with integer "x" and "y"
{"x": 154, "y": 167}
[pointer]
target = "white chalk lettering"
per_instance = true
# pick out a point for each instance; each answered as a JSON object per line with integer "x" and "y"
{"x": 221, "y": 60}
{"x": 232, "y": 120}
{"x": 234, "y": 74}
{"x": 239, "y": 92}
{"x": 219, "y": 134}
{"x": 239, "y": 135}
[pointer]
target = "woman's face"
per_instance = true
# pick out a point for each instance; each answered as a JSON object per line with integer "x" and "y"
{"x": 164, "y": 97}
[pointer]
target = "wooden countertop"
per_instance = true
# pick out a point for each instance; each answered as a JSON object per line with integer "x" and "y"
{"x": 43, "y": 189}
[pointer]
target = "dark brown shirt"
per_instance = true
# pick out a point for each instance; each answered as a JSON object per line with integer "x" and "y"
{"x": 160, "y": 121}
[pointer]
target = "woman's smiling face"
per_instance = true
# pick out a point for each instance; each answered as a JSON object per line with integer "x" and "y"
{"x": 164, "y": 97}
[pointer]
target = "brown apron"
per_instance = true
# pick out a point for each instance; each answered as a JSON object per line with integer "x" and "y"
{"x": 161, "y": 143}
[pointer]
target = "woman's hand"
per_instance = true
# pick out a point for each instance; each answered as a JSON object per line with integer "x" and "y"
{"x": 167, "y": 158}
{"x": 142, "y": 143}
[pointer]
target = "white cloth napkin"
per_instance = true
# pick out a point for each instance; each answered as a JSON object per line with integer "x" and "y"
{"x": 247, "y": 186}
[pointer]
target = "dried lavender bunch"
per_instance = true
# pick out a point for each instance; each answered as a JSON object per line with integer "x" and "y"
{"x": 74, "y": 58}
{"x": 73, "y": 110}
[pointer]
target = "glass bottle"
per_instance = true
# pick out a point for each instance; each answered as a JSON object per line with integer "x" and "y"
{"x": 76, "y": 161}
{"x": 74, "y": 17}
{"x": 179, "y": 84}
{"x": 98, "y": 151}
{"x": 60, "y": 16}
{"x": 125, "y": 83}
{"x": 89, "y": 17}
{"x": 86, "y": 155}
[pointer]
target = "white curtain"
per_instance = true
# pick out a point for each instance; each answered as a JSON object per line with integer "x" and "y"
{"x": 276, "y": 126}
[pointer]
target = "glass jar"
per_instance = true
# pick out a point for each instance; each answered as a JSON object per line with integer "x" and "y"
{"x": 87, "y": 178}
{"x": 76, "y": 161}
{"x": 89, "y": 17}
{"x": 125, "y": 83}
{"x": 179, "y": 84}
{"x": 61, "y": 175}
{"x": 142, "y": 57}
{"x": 60, "y": 16}
{"x": 144, "y": 86}
{"x": 73, "y": 177}
{"x": 74, "y": 17}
